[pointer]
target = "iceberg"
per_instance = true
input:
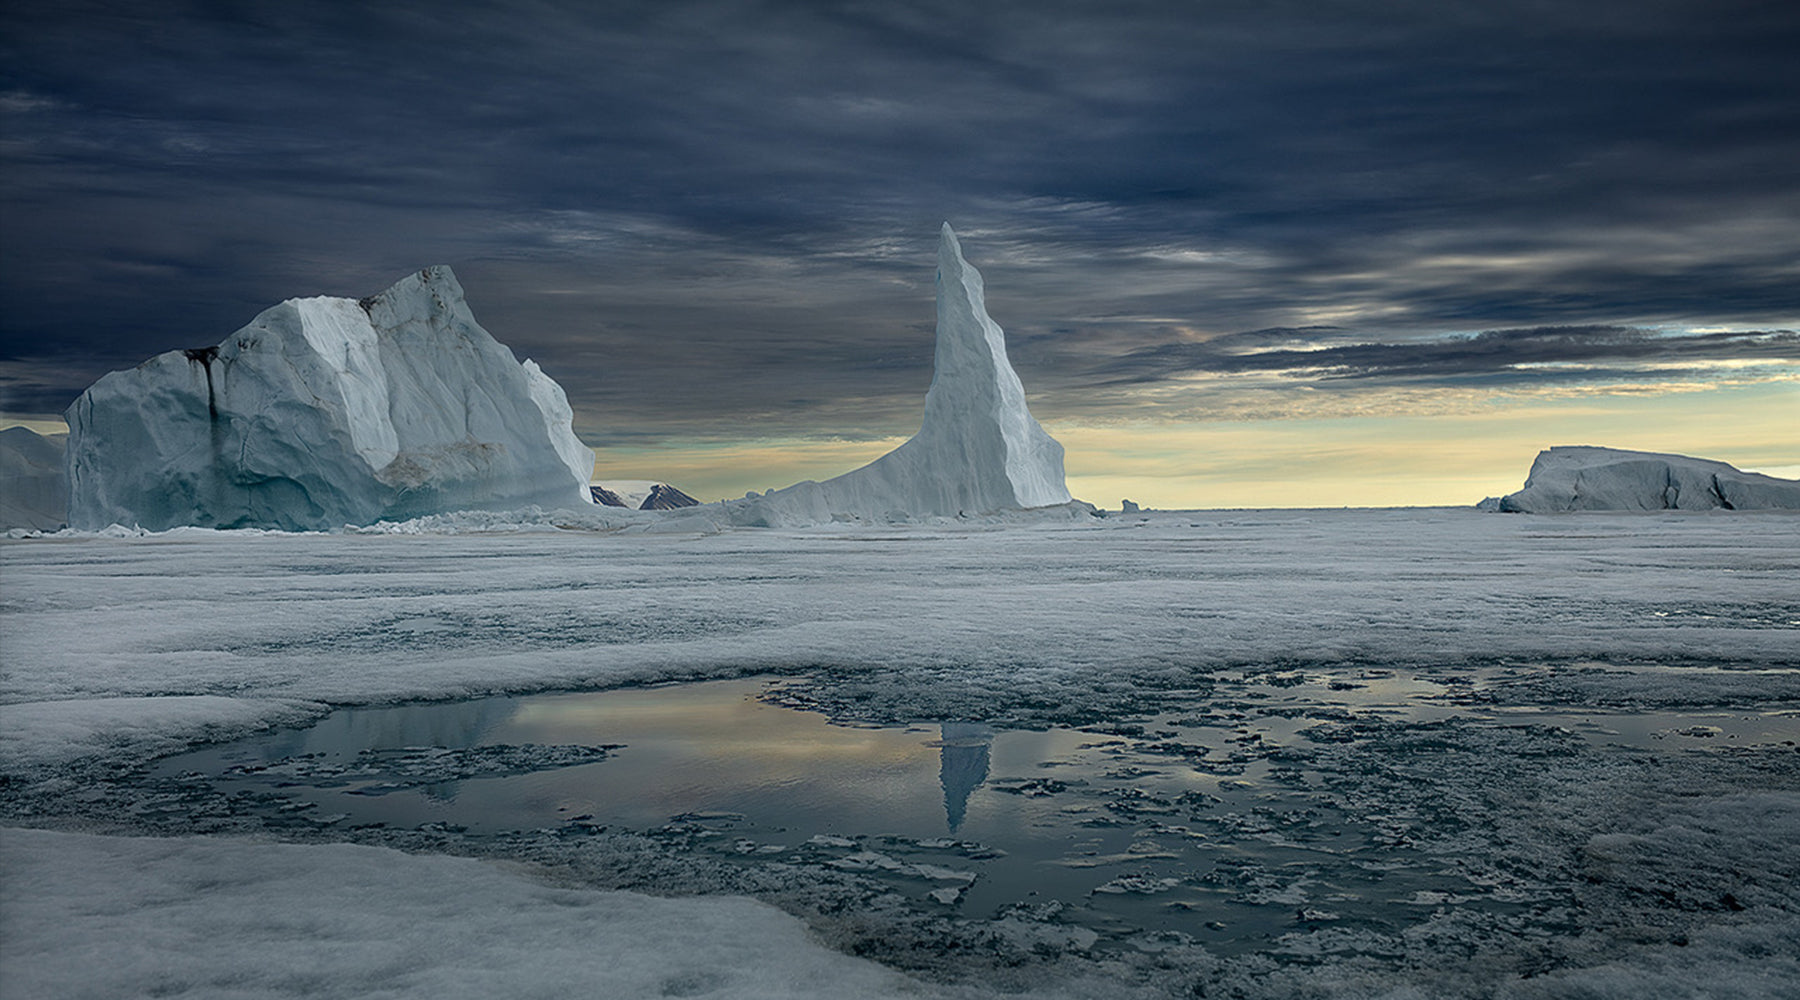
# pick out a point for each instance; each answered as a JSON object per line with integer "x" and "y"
{"x": 978, "y": 449}
{"x": 34, "y": 493}
{"x": 1581, "y": 477}
{"x": 324, "y": 412}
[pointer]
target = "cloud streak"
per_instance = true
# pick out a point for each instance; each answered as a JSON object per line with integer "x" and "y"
{"x": 1521, "y": 355}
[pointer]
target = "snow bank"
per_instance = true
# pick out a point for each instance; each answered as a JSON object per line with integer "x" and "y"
{"x": 978, "y": 449}
{"x": 34, "y": 491}
{"x": 324, "y": 412}
{"x": 1586, "y": 478}
{"x": 36, "y": 735}
{"x": 114, "y": 916}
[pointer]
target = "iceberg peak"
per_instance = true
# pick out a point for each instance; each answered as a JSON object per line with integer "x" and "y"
{"x": 978, "y": 449}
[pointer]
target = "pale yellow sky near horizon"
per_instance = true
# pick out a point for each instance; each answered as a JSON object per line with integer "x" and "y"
{"x": 1421, "y": 459}
{"x": 1424, "y": 459}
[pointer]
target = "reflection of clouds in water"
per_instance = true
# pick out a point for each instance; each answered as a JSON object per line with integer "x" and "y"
{"x": 963, "y": 755}
{"x": 456, "y": 726}
{"x": 453, "y": 725}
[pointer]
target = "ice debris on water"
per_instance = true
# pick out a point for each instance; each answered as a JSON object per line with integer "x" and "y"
{"x": 427, "y": 765}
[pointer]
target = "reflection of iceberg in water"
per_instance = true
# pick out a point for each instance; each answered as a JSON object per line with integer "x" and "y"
{"x": 963, "y": 753}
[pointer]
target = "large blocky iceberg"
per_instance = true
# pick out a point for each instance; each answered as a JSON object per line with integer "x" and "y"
{"x": 324, "y": 412}
{"x": 1570, "y": 478}
{"x": 978, "y": 450}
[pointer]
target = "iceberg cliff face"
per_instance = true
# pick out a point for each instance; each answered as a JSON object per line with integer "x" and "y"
{"x": 1570, "y": 478}
{"x": 324, "y": 412}
{"x": 978, "y": 449}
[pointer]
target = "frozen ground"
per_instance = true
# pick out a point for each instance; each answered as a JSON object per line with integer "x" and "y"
{"x": 1633, "y": 872}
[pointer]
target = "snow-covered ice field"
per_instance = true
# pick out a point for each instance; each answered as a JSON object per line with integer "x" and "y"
{"x": 1666, "y": 864}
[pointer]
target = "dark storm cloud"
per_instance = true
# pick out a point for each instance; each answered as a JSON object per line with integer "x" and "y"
{"x": 1592, "y": 352}
{"x": 717, "y": 215}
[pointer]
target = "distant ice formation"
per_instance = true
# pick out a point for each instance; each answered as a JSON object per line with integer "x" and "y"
{"x": 640, "y": 494}
{"x": 324, "y": 412}
{"x": 34, "y": 493}
{"x": 605, "y": 496}
{"x": 978, "y": 449}
{"x": 662, "y": 496}
{"x": 1570, "y": 478}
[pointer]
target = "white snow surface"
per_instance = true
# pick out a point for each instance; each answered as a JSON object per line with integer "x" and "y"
{"x": 470, "y": 604}
{"x": 324, "y": 412}
{"x": 978, "y": 449}
{"x": 93, "y": 917}
{"x": 1582, "y": 477}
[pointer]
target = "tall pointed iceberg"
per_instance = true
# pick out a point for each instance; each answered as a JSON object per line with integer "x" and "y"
{"x": 977, "y": 451}
{"x": 324, "y": 412}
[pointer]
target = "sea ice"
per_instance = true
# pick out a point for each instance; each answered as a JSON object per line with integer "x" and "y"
{"x": 194, "y": 916}
{"x": 1664, "y": 868}
{"x": 324, "y": 412}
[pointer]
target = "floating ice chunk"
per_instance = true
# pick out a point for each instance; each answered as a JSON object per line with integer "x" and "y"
{"x": 940, "y": 874}
{"x": 1140, "y": 884}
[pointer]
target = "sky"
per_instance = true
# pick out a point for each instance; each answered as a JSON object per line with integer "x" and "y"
{"x": 1246, "y": 254}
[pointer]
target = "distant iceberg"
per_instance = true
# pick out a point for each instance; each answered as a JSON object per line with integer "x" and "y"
{"x": 34, "y": 493}
{"x": 978, "y": 450}
{"x": 324, "y": 412}
{"x": 1571, "y": 478}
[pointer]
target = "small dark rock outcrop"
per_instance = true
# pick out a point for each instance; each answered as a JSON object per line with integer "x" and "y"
{"x": 665, "y": 497}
